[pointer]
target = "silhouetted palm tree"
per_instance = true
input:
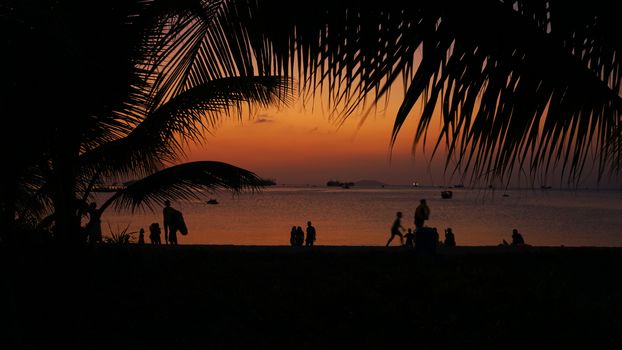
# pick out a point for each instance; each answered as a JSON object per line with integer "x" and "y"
{"x": 93, "y": 92}
{"x": 518, "y": 84}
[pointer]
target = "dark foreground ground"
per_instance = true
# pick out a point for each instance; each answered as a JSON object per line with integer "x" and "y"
{"x": 205, "y": 297}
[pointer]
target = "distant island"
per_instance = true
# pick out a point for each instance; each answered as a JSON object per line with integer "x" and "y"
{"x": 369, "y": 183}
{"x": 362, "y": 183}
{"x": 268, "y": 182}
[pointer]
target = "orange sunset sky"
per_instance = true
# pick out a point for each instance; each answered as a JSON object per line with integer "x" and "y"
{"x": 303, "y": 145}
{"x": 299, "y": 145}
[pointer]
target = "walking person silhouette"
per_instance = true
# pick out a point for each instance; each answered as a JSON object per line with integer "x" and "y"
{"x": 396, "y": 229}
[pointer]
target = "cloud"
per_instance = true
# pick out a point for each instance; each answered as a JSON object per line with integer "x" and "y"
{"x": 261, "y": 119}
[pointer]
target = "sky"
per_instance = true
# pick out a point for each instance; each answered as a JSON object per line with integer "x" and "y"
{"x": 301, "y": 145}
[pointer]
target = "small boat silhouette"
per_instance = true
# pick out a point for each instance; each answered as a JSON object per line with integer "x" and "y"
{"x": 212, "y": 201}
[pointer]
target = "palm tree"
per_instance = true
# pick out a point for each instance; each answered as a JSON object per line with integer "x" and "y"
{"x": 92, "y": 93}
{"x": 518, "y": 85}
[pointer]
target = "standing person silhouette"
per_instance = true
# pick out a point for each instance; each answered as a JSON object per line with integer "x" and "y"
{"x": 141, "y": 236}
{"x": 154, "y": 233}
{"x": 422, "y": 213}
{"x": 94, "y": 226}
{"x": 171, "y": 223}
{"x": 292, "y": 236}
{"x": 310, "y": 234}
{"x": 300, "y": 236}
{"x": 396, "y": 227}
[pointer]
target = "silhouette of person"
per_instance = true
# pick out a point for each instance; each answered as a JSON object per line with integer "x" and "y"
{"x": 292, "y": 236}
{"x": 517, "y": 238}
{"x": 422, "y": 213}
{"x": 450, "y": 240}
{"x": 154, "y": 233}
{"x": 310, "y": 234}
{"x": 410, "y": 238}
{"x": 141, "y": 236}
{"x": 396, "y": 227}
{"x": 300, "y": 236}
{"x": 172, "y": 223}
{"x": 94, "y": 226}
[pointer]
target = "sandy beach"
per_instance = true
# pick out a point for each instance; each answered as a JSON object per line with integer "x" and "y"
{"x": 206, "y": 297}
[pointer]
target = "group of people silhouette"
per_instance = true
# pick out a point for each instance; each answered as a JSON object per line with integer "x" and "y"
{"x": 173, "y": 222}
{"x": 429, "y": 235}
{"x": 297, "y": 236}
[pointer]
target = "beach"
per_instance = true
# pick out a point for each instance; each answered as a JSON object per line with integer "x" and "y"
{"x": 217, "y": 297}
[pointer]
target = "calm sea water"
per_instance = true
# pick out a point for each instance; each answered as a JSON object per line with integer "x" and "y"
{"x": 363, "y": 216}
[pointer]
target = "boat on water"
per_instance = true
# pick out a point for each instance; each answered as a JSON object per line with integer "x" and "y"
{"x": 446, "y": 194}
{"x": 212, "y": 201}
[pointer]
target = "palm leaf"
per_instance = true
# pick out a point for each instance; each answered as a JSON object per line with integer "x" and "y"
{"x": 159, "y": 138}
{"x": 183, "y": 182}
{"x": 521, "y": 83}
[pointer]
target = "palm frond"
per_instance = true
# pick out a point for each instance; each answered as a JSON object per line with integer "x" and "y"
{"x": 183, "y": 182}
{"x": 521, "y": 83}
{"x": 185, "y": 114}
{"x": 159, "y": 137}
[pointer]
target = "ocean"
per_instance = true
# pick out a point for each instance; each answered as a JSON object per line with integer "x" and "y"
{"x": 363, "y": 216}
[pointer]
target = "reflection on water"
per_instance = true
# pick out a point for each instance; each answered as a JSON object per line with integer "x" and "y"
{"x": 363, "y": 216}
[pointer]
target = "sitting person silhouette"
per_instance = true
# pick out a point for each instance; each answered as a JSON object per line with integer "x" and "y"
{"x": 450, "y": 240}
{"x": 517, "y": 238}
{"x": 410, "y": 238}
